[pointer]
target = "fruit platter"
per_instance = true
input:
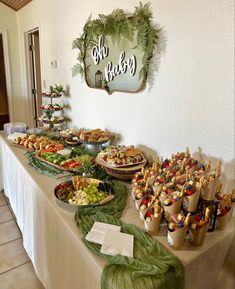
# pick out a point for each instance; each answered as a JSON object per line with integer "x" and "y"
{"x": 64, "y": 159}
{"x": 81, "y": 192}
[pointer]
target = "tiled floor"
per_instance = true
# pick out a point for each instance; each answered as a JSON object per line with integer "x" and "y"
{"x": 16, "y": 269}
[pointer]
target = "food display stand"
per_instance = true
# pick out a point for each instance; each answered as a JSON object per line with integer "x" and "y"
{"x": 54, "y": 243}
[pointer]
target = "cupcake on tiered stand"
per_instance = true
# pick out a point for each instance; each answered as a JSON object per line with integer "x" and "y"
{"x": 48, "y": 118}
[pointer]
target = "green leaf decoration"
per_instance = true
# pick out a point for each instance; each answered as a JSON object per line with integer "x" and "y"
{"x": 120, "y": 24}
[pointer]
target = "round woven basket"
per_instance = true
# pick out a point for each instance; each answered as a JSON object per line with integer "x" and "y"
{"x": 123, "y": 173}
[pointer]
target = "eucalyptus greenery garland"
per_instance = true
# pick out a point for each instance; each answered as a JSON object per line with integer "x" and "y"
{"x": 120, "y": 23}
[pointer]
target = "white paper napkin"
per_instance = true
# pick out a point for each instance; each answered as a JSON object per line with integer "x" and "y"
{"x": 117, "y": 243}
{"x": 98, "y": 230}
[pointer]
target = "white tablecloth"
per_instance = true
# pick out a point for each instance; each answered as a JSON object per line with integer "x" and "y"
{"x": 54, "y": 244}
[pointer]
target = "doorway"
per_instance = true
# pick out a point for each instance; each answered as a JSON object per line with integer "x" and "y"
{"x": 33, "y": 43}
{"x": 4, "y": 111}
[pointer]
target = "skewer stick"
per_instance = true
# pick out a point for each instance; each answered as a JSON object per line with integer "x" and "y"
{"x": 219, "y": 188}
{"x": 186, "y": 221}
{"x": 156, "y": 208}
{"x": 142, "y": 170}
{"x": 146, "y": 175}
{"x": 187, "y": 153}
{"x": 147, "y": 184}
{"x": 207, "y": 215}
{"x": 208, "y": 165}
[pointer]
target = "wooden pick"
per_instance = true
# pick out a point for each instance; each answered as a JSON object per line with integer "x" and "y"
{"x": 107, "y": 199}
{"x": 186, "y": 221}
{"x": 207, "y": 215}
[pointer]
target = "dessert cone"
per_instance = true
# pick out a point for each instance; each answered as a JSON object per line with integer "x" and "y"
{"x": 142, "y": 211}
{"x": 223, "y": 220}
{"x": 133, "y": 192}
{"x": 152, "y": 226}
{"x": 176, "y": 238}
{"x": 197, "y": 236}
{"x": 190, "y": 202}
{"x": 172, "y": 209}
{"x": 209, "y": 191}
{"x": 138, "y": 202}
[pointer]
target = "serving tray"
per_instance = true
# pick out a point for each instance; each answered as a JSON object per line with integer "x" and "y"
{"x": 126, "y": 165}
{"x": 57, "y": 166}
{"x": 72, "y": 207}
{"x": 123, "y": 173}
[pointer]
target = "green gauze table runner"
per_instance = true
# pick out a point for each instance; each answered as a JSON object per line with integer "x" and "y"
{"x": 152, "y": 267}
{"x": 42, "y": 167}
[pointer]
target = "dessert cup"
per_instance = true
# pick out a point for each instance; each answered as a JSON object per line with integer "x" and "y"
{"x": 197, "y": 236}
{"x": 190, "y": 202}
{"x": 209, "y": 191}
{"x": 142, "y": 212}
{"x": 138, "y": 202}
{"x": 176, "y": 238}
{"x": 223, "y": 220}
{"x": 152, "y": 226}
{"x": 172, "y": 209}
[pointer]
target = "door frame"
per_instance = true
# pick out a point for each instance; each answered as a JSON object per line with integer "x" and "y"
{"x": 30, "y": 103}
{"x": 8, "y": 74}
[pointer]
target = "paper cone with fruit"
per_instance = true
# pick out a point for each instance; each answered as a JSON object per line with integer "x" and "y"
{"x": 198, "y": 228}
{"x": 152, "y": 219}
{"x": 192, "y": 192}
{"x": 172, "y": 204}
{"x": 211, "y": 183}
{"x": 223, "y": 215}
{"x": 139, "y": 197}
{"x": 177, "y": 231}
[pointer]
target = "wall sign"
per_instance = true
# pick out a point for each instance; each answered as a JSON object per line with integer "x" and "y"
{"x": 115, "y": 50}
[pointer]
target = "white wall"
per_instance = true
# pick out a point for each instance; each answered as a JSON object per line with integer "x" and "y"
{"x": 192, "y": 100}
{"x": 8, "y": 22}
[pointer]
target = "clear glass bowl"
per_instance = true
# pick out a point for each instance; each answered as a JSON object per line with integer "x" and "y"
{"x": 10, "y": 128}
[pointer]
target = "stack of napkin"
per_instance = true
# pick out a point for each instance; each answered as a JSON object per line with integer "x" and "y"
{"x": 110, "y": 238}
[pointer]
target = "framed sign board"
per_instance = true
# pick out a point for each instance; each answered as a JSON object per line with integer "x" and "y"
{"x": 115, "y": 50}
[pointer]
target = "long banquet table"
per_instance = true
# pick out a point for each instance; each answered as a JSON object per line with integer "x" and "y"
{"x": 54, "y": 243}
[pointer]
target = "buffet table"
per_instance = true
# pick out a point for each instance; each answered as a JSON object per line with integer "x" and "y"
{"x": 54, "y": 244}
